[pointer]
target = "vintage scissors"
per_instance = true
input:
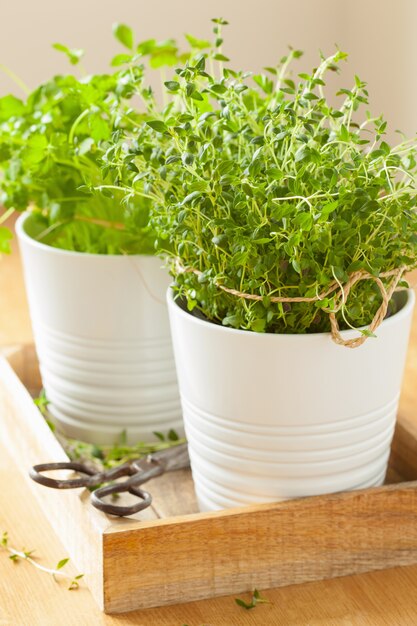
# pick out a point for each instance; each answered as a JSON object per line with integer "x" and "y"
{"x": 137, "y": 471}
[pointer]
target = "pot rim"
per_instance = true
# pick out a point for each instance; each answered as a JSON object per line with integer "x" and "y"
{"x": 397, "y": 317}
{"x": 24, "y": 236}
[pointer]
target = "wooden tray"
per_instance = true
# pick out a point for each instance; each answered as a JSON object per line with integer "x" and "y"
{"x": 171, "y": 553}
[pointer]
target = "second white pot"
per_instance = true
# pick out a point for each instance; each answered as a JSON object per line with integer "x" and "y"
{"x": 103, "y": 340}
{"x": 271, "y": 416}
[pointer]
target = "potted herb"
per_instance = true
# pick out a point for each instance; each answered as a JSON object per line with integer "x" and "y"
{"x": 96, "y": 291}
{"x": 290, "y": 223}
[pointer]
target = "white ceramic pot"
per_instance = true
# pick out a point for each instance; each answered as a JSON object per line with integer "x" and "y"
{"x": 270, "y": 417}
{"x": 102, "y": 336}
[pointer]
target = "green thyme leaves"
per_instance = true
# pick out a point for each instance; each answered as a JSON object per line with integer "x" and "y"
{"x": 27, "y": 555}
{"x": 271, "y": 185}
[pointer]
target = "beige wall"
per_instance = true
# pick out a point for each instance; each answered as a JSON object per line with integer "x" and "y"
{"x": 378, "y": 34}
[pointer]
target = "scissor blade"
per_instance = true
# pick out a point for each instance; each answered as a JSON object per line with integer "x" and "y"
{"x": 172, "y": 459}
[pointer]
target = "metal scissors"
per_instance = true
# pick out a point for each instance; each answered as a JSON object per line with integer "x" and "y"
{"x": 137, "y": 471}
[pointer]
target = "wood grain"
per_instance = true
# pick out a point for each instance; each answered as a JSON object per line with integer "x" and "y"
{"x": 30, "y": 598}
{"x": 263, "y": 547}
{"x": 28, "y": 443}
{"x": 185, "y": 555}
{"x": 404, "y": 449}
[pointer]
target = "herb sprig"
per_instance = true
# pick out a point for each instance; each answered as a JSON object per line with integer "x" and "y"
{"x": 254, "y": 601}
{"x": 106, "y": 457}
{"x": 102, "y": 456}
{"x": 26, "y": 555}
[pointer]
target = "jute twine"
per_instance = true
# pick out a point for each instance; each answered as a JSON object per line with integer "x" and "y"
{"x": 344, "y": 290}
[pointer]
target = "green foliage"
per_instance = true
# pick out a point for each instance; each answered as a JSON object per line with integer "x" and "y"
{"x": 106, "y": 457}
{"x": 124, "y": 34}
{"x": 42, "y": 402}
{"x": 255, "y": 600}
{"x": 26, "y": 555}
{"x": 52, "y": 146}
{"x": 74, "y": 55}
{"x": 261, "y": 185}
{"x": 5, "y": 236}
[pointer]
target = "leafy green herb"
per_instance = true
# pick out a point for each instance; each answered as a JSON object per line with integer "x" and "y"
{"x": 263, "y": 186}
{"x": 74, "y": 584}
{"x": 74, "y": 55}
{"x": 5, "y": 237}
{"x": 124, "y": 34}
{"x": 198, "y": 44}
{"x": 255, "y": 600}
{"x": 26, "y": 555}
{"x": 42, "y": 402}
{"x": 52, "y": 146}
{"x": 104, "y": 457}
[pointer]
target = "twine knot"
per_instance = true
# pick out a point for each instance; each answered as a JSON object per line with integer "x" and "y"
{"x": 341, "y": 297}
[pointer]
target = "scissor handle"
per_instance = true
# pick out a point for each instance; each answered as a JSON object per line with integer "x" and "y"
{"x": 91, "y": 477}
{"x": 36, "y": 473}
{"x": 138, "y": 471}
{"x": 143, "y": 470}
{"x": 97, "y": 499}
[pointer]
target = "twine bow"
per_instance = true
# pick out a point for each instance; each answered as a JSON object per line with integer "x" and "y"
{"x": 341, "y": 298}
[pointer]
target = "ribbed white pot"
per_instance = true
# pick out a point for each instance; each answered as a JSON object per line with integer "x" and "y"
{"x": 271, "y": 416}
{"x": 102, "y": 336}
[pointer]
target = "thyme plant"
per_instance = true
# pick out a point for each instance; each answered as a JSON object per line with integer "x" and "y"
{"x": 261, "y": 185}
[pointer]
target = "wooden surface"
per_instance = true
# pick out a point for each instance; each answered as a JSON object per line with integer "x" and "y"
{"x": 301, "y": 541}
{"x": 186, "y": 555}
{"x": 30, "y": 598}
{"x": 17, "y": 432}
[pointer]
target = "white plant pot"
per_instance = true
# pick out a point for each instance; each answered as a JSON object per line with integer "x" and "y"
{"x": 102, "y": 336}
{"x": 271, "y": 416}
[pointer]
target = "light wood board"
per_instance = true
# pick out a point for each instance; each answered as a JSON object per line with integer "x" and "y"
{"x": 185, "y": 555}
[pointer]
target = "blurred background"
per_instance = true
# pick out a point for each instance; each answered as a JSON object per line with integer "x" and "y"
{"x": 379, "y": 36}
